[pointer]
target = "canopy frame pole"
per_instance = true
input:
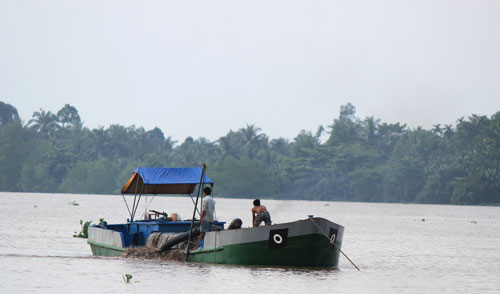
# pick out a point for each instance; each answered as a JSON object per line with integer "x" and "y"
{"x": 123, "y": 196}
{"x": 135, "y": 196}
{"x": 138, "y": 201}
{"x": 147, "y": 205}
{"x": 202, "y": 178}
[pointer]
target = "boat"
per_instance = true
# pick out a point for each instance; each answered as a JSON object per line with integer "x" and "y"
{"x": 113, "y": 239}
{"x": 310, "y": 242}
{"x": 302, "y": 243}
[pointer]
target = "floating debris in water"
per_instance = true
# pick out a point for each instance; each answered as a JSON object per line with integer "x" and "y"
{"x": 127, "y": 278}
{"x": 74, "y": 203}
{"x": 473, "y": 222}
{"x": 423, "y": 219}
{"x": 35, "y": 206}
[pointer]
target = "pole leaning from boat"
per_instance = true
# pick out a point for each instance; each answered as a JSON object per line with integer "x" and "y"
{"x": 202, "y": 182}
{"x": 139, "y": 200}
{"x": 326, "y": 235}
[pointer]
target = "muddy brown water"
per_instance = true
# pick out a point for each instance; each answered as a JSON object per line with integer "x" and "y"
{"x": 400, "y": 248}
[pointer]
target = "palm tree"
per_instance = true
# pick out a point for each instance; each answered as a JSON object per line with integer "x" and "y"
{"x": 250, "y": 133}
{"x": 371, "y": 125}
{"x": 225, "y": 146}
{"x": 437, "y": 129}
{"x": 169, "y": 144}
{"x": 68, "y": 115}
{"x": 8, "y": 114}
{"x": 187, "y": 152}
{"x": 99, "y": 138}
{"x": 346, "y": 128}
{"x": 280, "y": 146}
{"x": 45, "y": 123}
{"x": 319, "y": 133}
{"x": 232, "y": 144}
{"x": 252, "y": 139}
{"x": 448, "y": 131}
{"x": 264, "y": 146}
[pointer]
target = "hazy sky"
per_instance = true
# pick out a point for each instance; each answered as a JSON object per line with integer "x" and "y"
{"x": 201, "y": 68}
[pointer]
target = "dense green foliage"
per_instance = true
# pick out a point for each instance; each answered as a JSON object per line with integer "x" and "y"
{"x": 361, "y": 160}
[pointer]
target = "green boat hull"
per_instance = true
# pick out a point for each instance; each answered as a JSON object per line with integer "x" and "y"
{"x": 305, "y": 243}
{"x": 306, "y": 251}
{"x": 101, "y": 249}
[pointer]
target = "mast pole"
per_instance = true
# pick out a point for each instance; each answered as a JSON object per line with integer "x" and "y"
{"x": 202, "y": 180}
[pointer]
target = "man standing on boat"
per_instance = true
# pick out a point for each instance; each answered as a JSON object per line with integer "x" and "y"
{"x": 260, "y": 214}
{"x": 206, "y": 222}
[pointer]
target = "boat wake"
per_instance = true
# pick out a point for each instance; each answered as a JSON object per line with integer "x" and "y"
{"x": 17, "y": 255}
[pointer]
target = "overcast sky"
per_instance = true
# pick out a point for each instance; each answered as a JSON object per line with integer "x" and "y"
{"x": 201, "y": 68}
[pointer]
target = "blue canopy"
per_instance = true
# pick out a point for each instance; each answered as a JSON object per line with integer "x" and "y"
{"x": 171, "y": 175}
{"x": 162, "y": 180}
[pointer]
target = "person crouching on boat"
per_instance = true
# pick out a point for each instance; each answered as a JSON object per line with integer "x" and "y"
{"x": 206, "y": 222}
{"x": 260, "y": 214}
{"x": 235, "y": 224}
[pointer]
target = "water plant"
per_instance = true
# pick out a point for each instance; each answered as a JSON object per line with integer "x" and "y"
{"x": 127, "y": 278}
{"x": 84, "y": 233}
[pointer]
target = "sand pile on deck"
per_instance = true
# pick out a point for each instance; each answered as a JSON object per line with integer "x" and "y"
{"x": 151, "y": 253}
{"x": 155, "y": 241}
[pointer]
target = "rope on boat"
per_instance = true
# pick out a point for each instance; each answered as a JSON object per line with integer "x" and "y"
{"x": 326, "y": 235}
{"x": 215, "y": 246}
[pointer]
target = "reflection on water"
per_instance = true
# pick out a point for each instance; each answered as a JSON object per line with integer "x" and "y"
{"x": 399, "y": 248}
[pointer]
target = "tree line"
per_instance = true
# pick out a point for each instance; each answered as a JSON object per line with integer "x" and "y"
{"x": 360, "y": 160}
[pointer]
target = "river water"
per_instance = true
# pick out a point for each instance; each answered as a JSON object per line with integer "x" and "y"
{"x": 400, "y": 248}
